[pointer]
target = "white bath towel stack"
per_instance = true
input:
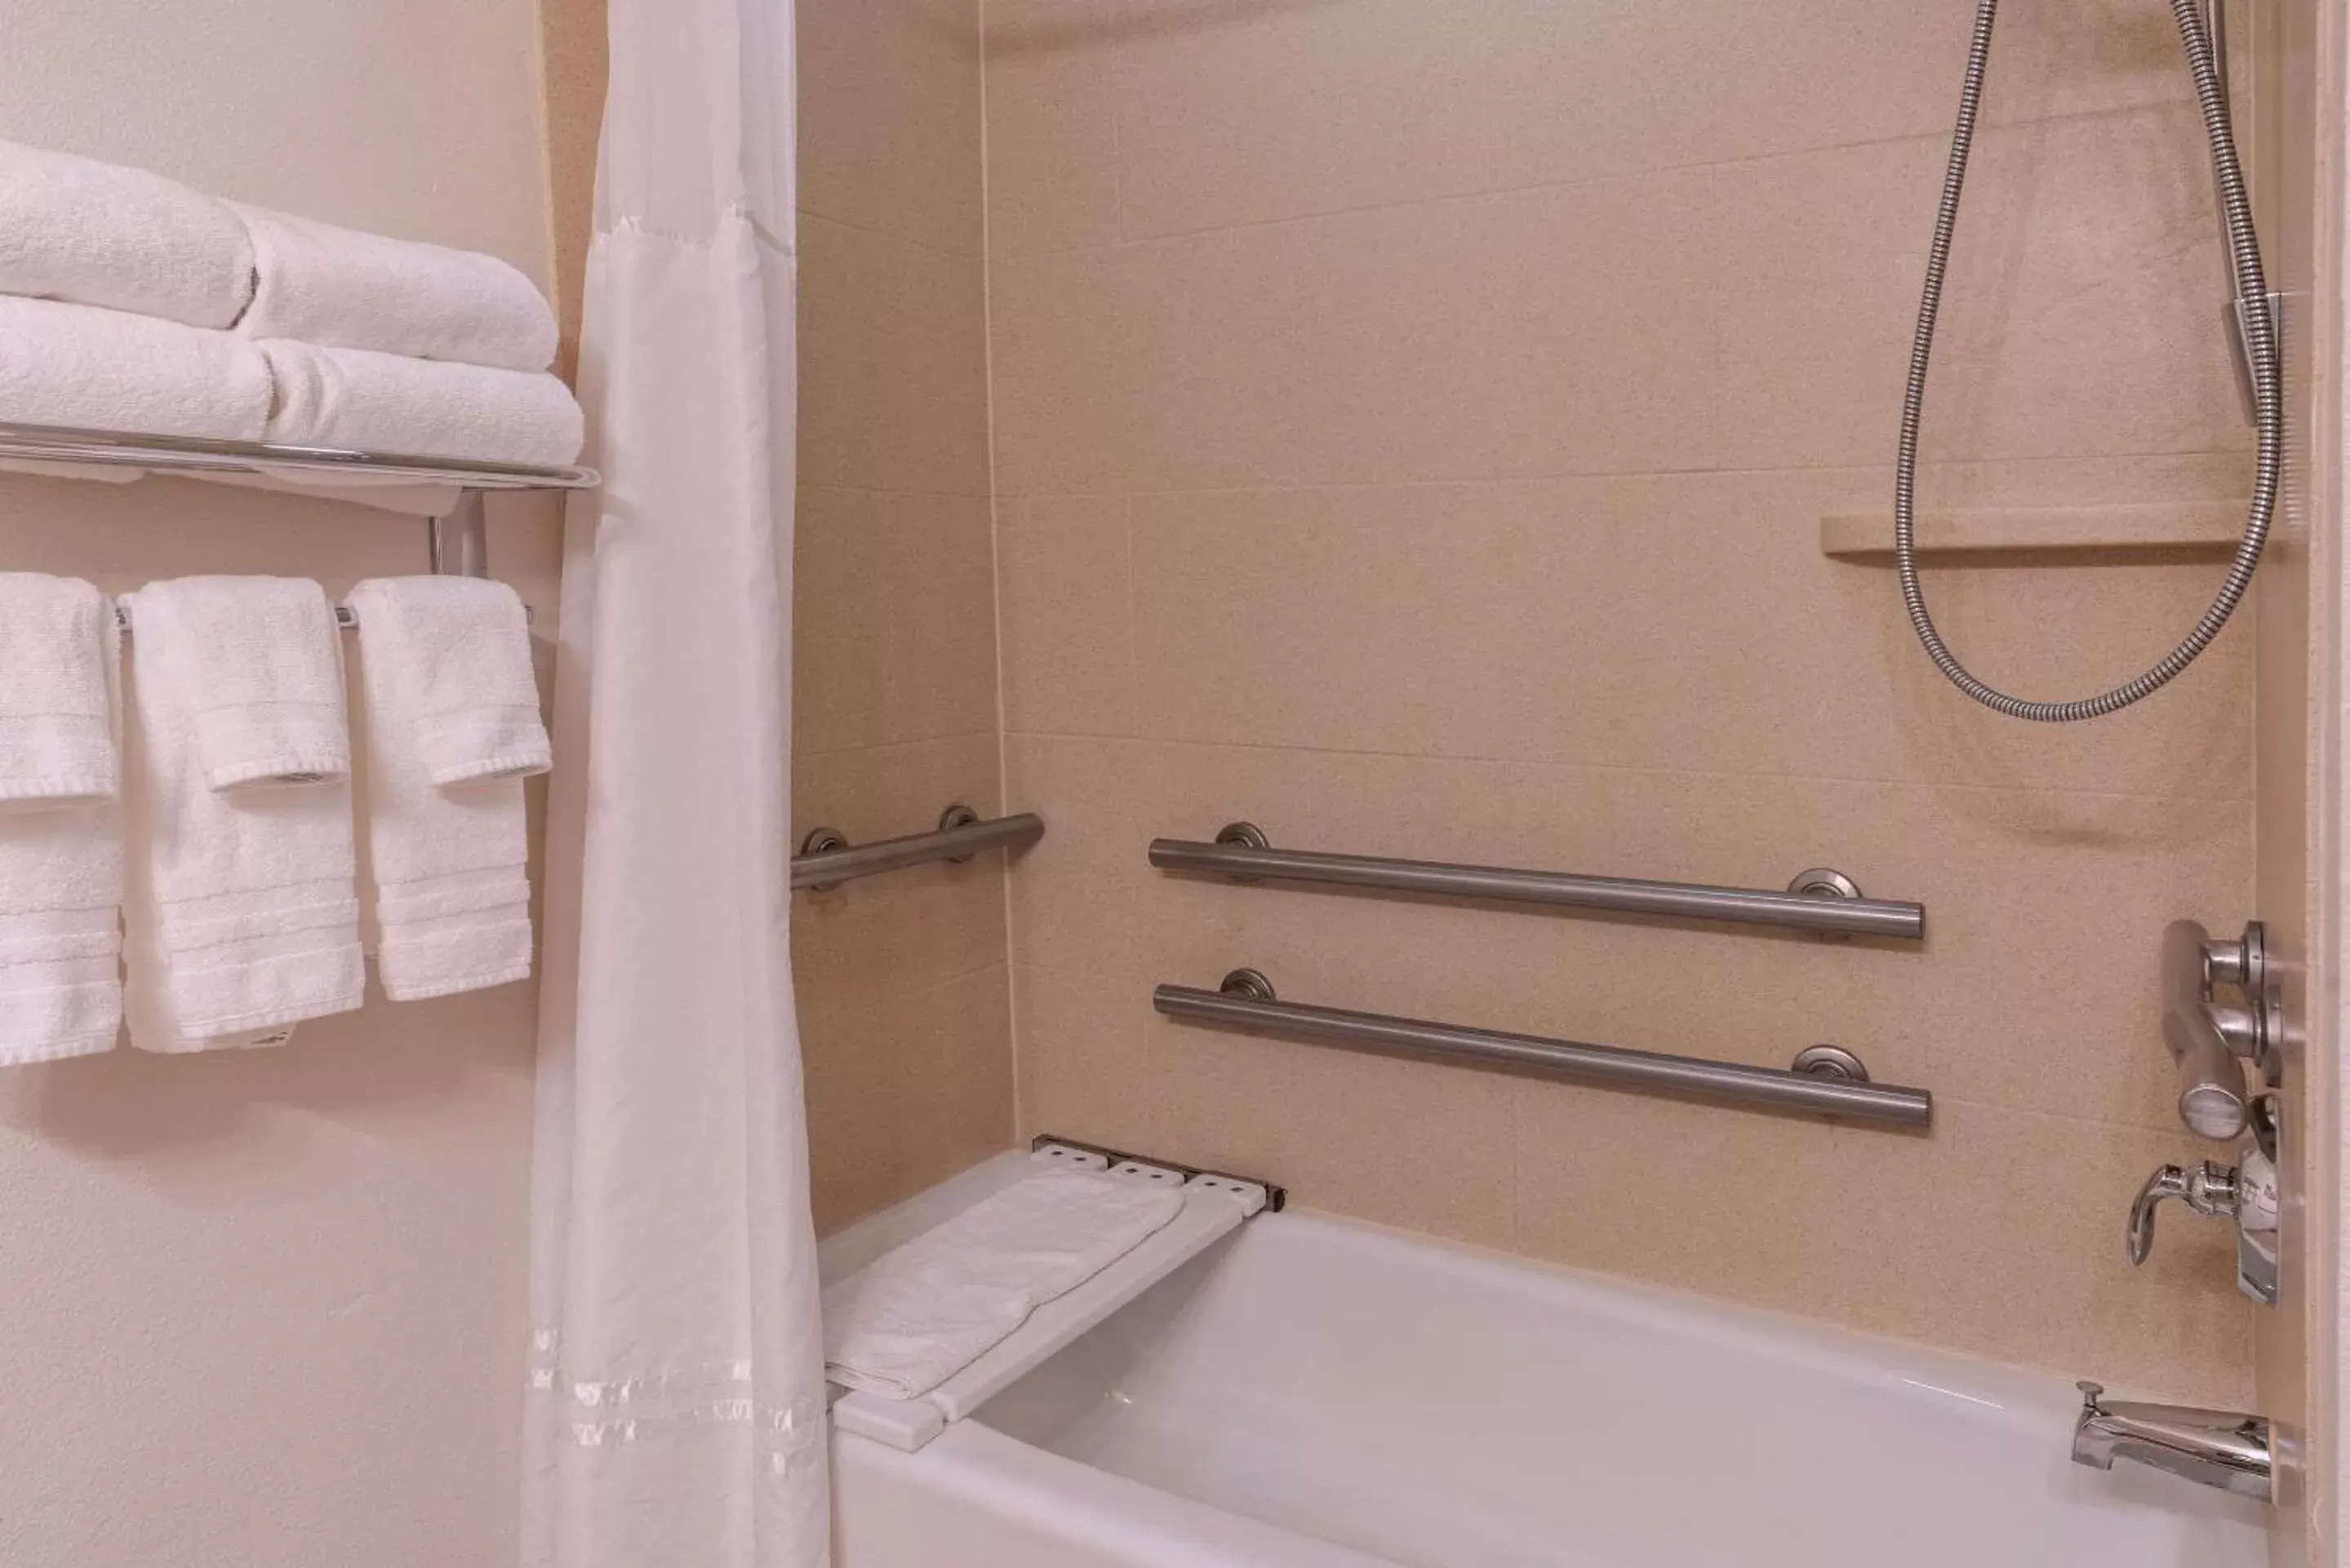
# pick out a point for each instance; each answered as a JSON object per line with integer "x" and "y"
{"x": 243, "y": 906}
{"x": 921, "y": 1314}
{"x": 60, "y": 820}
{"x": 132, "y": 303}
{"x": 384, "y": 344}
{"x": 452, "y": 728}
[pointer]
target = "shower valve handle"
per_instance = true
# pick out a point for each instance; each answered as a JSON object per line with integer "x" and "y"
{"x": 2211, "y": 1191}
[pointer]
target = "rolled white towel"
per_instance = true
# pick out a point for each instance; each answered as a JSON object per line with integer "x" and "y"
{"x": 78, "y": 230}
{"x": 451, "y": 726}
{"x": 57, "y": 699}
{"x": 365, "y": 401}
{"x": 345, "y": 290}
{"x": 106, "y": 369}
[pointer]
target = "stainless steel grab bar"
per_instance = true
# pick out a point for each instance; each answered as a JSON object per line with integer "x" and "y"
{"x": 1247, "y": 1001}
{"x": 1826, "y": 902}
{"x": 826, "y": 859}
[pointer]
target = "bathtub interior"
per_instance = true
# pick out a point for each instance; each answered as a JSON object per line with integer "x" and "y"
{"x": 1440, "y": 1409}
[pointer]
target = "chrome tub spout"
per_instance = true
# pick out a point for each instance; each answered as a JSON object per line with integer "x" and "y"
{"x": 2215, "y": 1448}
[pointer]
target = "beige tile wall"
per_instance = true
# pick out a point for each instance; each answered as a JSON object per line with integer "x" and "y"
{"x": 904, "y": 1012}
{"x": 1411, "y": 426}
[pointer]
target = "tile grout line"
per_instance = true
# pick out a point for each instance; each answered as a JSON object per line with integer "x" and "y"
{"x": 1453, "y": 759}
{"x": 1538, "y": 187}
{"x": 1595, "y": 475}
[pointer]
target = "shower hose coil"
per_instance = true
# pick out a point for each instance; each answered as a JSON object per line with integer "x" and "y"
{"x": 2260, "y": 352}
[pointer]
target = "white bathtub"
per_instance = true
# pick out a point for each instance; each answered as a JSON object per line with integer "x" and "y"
{"x": 1318, "y": 1393}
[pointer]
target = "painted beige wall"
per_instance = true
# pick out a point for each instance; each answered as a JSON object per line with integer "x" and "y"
{"x": 1411, "y": 428}
{"x": 903, "y": 990}
{"x": 267, "y": 1308}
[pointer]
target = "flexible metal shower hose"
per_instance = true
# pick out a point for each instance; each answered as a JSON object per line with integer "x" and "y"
{"x": 2260, "y": 332}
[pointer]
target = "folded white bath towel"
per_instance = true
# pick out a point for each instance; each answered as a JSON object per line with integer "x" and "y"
{"x": 98, "y": 234}
{"x": 242, "y": 911}
{"x": 366, "y": 401}
{"x": 56, "y": 701}
{"x": 264, "y": 676}
{"x": 106, "y": 369}
{"x": 61, "y": 875}
{"x": 345, "y": 290}
{"x": 921, "y": 1314}
{"x": 452, "y": 727}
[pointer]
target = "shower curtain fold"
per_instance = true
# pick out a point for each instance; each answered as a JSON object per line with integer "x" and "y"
{"x": 676, "y": 1413}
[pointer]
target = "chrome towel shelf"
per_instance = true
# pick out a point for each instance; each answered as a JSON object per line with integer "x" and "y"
{"x": 313, "y": 465}
{"x": 1828, "y": 1081}
{"x": 1819, "y": 900}
{"x": 826, "y": 859}
{"x": 458, "y": 539}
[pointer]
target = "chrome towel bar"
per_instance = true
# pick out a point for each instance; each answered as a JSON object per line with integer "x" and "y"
{"x": 1818, "y": 900}
{"x": 1832, "y": 1083}
{"x": 826, "y": 859}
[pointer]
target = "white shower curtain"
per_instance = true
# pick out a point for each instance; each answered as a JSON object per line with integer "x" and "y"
{"x": 676, "y": 1409}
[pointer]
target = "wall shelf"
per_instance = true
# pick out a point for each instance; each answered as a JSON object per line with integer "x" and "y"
{"x": 319, "y": 466}
{"x": 2173, "y": 531}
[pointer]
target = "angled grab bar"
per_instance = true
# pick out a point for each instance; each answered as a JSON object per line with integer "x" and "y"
{"x": 1819, "y": 900}
{"x": 826, "y": 859}
{"x": 1833, "y": 1083}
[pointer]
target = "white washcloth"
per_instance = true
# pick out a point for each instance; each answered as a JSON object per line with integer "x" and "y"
{"x": 96, "y": 234}
{"x": 345, "y": 290}
{"x": 366, "y": 401}
{"x": 60, "y": 896}
{"x": 79, "y": 366}
{"x": 921, "y": 1314}
{"x": 57, "y": 699}
{"x": 452, "y": 727}
{"x": 242, "y": 911}
{"x": 264, "y": 676}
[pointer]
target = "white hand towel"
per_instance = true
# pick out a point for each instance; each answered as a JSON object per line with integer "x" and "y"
{"x": 264, "y": 666}
{"x": 242, "y": 904}
{"x": 921, "y": 1314}
{"x": 343, "y": 288}
{"x": 366, "y": 401}
{"x": 96, "y": 234}
{"x": 451, "y": 726}
{"x": 57, "y": 701}
{"x": 61, "y": 889}
{"x": 458, "y": 650}
{"x": 79, "y": 366}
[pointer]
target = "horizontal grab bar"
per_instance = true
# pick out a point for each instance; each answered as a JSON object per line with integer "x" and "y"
{"x": 827, "y": 860}
{"x": 1248, "y": 1002}
{"x": 1828, "y": 903}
